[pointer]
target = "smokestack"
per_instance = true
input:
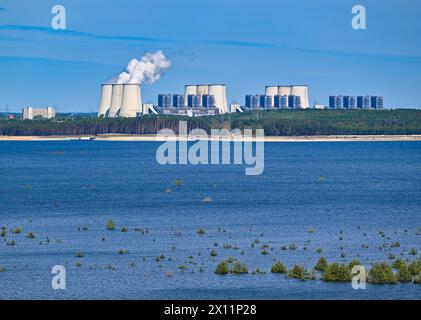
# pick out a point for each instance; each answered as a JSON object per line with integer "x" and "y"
{"x": 131, "y": 103}
{"x": 105, "y": 103}
{"x": 116, "y": 97}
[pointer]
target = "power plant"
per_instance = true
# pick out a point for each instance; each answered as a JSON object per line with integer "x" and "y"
{"x": 300, "y": 91}
{"x": 120, "y": 100}
{"x": 218, "y": 91}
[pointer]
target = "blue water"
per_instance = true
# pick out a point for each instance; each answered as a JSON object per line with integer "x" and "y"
{"x": 53, "y": 188}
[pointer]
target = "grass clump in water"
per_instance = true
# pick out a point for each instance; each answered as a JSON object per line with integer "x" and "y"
{"x": 239, "y": 268}
{"x": 415, "y": 267}
{"x": 417, "y": 279}
{"x": 404, "y": 275}
{"x": 207, "y": 200}
{"x": 124, "y": 229}
{"x": 79, "y": 255}
{"x": 18, "y": 230}
{"x": 381, "y": 273}
{"x": 337, "y": 272}
{"x": 222, "y": 268}
{"x": 279, "y": 267}
{"x": 30, "y": 235}
{"x": 200, "y": 231}
{"x": 110, "y": 225}
{"x": 123, "y": 251}
{"x": 300, "y": 272}
{"x": 321, "y": 264}
{"x": 213, "y": 253}
{"x": 178, "y": 182}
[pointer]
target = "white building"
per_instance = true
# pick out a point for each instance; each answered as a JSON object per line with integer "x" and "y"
{"x": 31, "y": 113}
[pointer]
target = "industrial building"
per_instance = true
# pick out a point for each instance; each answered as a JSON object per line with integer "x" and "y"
{"x": 30, "y": 113}
{"x": 300, "y": 91}
{"x": 352, "y": 102}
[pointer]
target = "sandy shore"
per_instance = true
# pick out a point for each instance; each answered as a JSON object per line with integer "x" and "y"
{"x": 117, "y": 137}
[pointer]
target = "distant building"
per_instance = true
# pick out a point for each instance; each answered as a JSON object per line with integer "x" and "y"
{"x": 30, "y": 113}
{"x": 178, "y": 101}
{"x": 349, "y": 102}
{"x": 10, "y": 117}
{"x": 319, "y": 106}
{"x": 377, "y": 102}
{"x": 266, "y": 101}
{"x": 164, "y": 100}
{"x": 294, "y": 102}
{"x": 336, "y": 102}
{"x": 193, "y": 101}
{"x": 364, "y": 102}
{"x": 208, "y": 101}
{"x": 281, "y": 102}
{"x": 253, "y": 101}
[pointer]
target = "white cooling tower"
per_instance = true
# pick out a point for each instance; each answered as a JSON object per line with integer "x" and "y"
{"x": 116, "y": 97}
{"x": 190, "y": 90}
{"x": 272, "y": 92}
{"x": 202, "y": 89}
{"x": 104, "y": 105}
{"x": 302, "y": 92}
{"x": 131, "y": 103}
{"x": 219, "y": 92}
{"x": 284, "y": 90}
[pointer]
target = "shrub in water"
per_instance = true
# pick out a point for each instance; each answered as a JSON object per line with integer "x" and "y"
{"x": 213, "y": 253}
{"x": 321, "y": 264}
{"x": 124, "y": 229}
{"x": 337, "y": 272}
{"x": 239, "y": 268}
{"x": 111, "y": 224}
{"x": 30, "y": 235}
{"x": 222, "y": 268}
{"x": 404, "y": 275}
{"x": 79, "y": 255}
{"x": 299, "y": 272}
{"x": 279, "y": 267}
{"x": 381, "y": 273}
{"x": 18, "y": 230}
{"x": 354, "y": 263}
{"x": 415, "y": 267}
{"x": 201, "y": 231}
{"x": 417, "y": 279}
{"x": 398, "y": 263}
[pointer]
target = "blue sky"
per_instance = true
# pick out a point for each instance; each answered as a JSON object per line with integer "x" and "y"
{"x": 246, "y": 44}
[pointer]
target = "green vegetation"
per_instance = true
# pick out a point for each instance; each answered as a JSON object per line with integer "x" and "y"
{"x": 415, "y": 267}
{"x": 178, "y": 183}
{"x": 18, "y": 230}
{"x": 321, "y": 264}
{"x": 337, "y": 272}
{"x": 79, "y": 255}
{"x": 239, "y": 268}
{"x": 417, "y": 279}
{"x": 213, "y": 253}
{"x": 78, "y": 264}
{"x": 124, "y": 229}
{"x": 404, "y": 275}
{"x": 300, "y": 272}
{"x": 200, "y": 231}
{"x": 275, "y": 123}
{"x": 110, "y": 225}
{"x": 279, "y": 267}
{"x": 222, "y": 268}
{"x": 381, "y": 273}
{"x": 30, "y": 235}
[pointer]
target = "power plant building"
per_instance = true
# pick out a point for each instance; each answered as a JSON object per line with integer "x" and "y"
{"x": 364, "y": 102}
{"x": 30, "y": 113}
{"x": 252, "y": 101}
{"x": 281, "y": 102}
{"x": 289, "y": 90}
{"x": 349, "y": 102}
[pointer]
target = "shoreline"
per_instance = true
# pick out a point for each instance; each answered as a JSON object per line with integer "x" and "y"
{"x": 152, "y": 138}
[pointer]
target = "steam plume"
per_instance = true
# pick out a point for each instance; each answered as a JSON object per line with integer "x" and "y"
{"x": 147, "y": 70}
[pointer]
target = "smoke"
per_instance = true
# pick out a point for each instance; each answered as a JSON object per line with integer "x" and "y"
{"x": 146, "y": 70}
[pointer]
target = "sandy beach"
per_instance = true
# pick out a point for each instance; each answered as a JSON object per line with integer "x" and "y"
{"x": 145, "y": 138}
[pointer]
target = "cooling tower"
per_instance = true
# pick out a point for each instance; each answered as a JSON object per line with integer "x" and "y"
{"x": 219, "y": 91}
{"x": 272, "y": 92}
{"x": 104, "y": 105}
{"x": 190, "y": 90}
{"x": 116, "y": 97}
{"x": 202, "y": 89}
{"x": 131, "y": 102}
{"x": 284, "y": 90}
{"x": 302, "y": 92}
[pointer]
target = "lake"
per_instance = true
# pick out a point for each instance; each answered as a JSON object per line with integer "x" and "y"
{"x": 340, "y": 200}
